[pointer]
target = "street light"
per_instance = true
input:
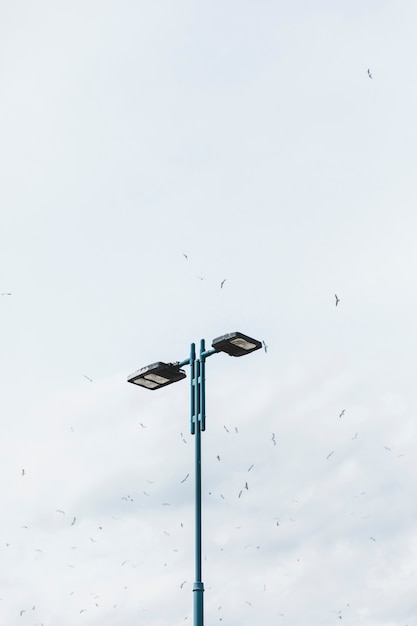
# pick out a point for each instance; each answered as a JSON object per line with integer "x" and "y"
{"x": 159, "y": 375}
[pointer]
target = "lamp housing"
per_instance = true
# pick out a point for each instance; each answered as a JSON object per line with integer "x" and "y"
{"x": 157, "y": 375}
{"x": 236, "y": 344}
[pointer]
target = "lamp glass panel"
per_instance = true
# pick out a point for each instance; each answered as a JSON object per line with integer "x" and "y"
{"x": 143, "y": 382}
{"x": 157, "y": 378}
{"x": 242, "y": 343}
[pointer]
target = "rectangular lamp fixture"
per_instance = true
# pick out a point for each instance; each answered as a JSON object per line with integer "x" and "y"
{"x": 157, "y": 375}
{"x": 236, "y": 344}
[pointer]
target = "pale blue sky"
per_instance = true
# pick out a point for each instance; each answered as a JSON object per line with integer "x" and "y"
{"x": 249, "y": 137}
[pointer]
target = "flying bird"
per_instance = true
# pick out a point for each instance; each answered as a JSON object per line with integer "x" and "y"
{"x": 6, "y": 293}
{"x": 273, "y": 439}
{"x": 185, "y": 256}
{"x": 337, "y": 299}
{"x": 329, "y": 455}
{"x": 369, "y": 73}
{"x": 88, "y": 378}
{"x": 184, "y": 479}
{"x": 226, "y": 429}
{"x": 222, "y": 283}
{"x": 73, "y": 521}
{"x": 342, "y": 413}
{"x": 249, "y": 469}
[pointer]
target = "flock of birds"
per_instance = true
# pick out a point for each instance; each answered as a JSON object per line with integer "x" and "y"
{"x": 130, "y": 498}
{"x": 245, "y": 484}
{"x": 244, "y": 487}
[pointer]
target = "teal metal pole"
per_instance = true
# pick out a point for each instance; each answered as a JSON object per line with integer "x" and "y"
{"x": 193, "y": 389}
{"x": 197, "y": 409}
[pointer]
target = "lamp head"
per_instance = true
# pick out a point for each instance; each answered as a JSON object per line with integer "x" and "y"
{"x": 157, "y": 375}
{"x": 236, "y": 344}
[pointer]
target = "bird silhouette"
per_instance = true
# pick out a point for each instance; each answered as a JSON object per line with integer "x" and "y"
{"x": 222, "y": 283}
{"x": 342, "y": 413}
{"x": 369, "y": 73}
{"x": 337, "y": 299}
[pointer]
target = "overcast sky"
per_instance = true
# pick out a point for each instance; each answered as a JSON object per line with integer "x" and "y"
{"x": 249, "y": 137}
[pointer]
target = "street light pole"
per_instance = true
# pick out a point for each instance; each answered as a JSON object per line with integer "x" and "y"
{"x": 197, "y": 418}
{"x": 196, "y": 426}
{"x": 160, "y": 374}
